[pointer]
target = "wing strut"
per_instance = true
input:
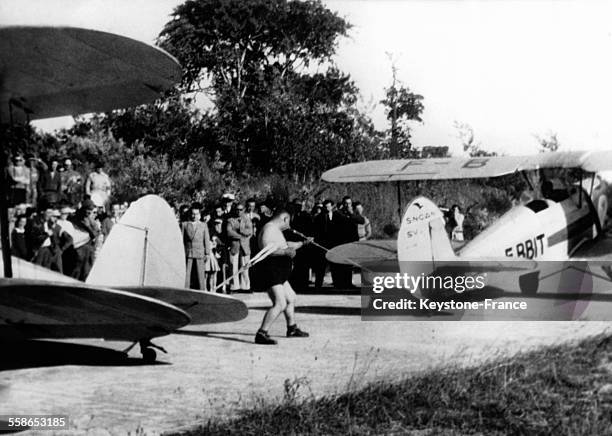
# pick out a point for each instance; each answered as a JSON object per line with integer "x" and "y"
{"x": 592, "y": 184}
{"x": 4, "y": 216}
{"x": 580, "y": 193}
{"x": 399, "y": 200}
{"x": 4, "y": 191}
{"x": 144, "y": 257}
{"x": 528, "y": 180}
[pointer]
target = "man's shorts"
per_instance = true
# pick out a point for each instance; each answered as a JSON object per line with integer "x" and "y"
{"x": 274, "y": 270}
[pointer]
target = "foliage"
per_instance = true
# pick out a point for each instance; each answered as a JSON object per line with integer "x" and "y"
{"x": 232, "y": 42}
{"x": 173, "y": 127}
{"x": 465, "y": 133}
{"x": 548, "y": 142}
{"x": 561, "y": 389}
{"x": 283, "y": 113}
{"x": 274, "y": 111}
{"x": 401, "y": 107}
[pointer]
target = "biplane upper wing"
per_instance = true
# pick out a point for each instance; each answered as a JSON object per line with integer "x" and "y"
{"x": 465, "y": 167}
{"x": 54, "y": 71}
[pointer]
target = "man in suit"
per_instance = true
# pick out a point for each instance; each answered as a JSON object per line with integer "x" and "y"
{"x": 303, "y": 223}
{"x": 197, "y": 245}
{"x": 50, "y": 184}
{"x": 58, "y": 240}
{"x": 342, "y": 275}
{"x": 239, "y": 230}
{"x": 327, "y": 230}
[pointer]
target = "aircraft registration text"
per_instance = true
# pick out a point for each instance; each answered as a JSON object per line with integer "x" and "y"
{"x": 529, "y": 249}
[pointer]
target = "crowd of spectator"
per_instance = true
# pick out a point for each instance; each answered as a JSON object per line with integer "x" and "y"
{"x": 61, "y": 217}
{"x": 57, "y": 220}
{"x": 220, "y": 241}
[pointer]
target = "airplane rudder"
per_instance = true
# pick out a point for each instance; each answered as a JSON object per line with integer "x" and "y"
{"x": 414, "y": 237}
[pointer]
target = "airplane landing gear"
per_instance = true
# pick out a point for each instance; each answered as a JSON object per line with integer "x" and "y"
{"x": 148, "y": 354}
{"x": 147, "y": 350}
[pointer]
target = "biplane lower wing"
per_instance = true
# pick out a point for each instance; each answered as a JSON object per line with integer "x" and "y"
{"x": 364, "y": 252}
{"x": 202, "y": 307}
{"x": 37, "y": 309}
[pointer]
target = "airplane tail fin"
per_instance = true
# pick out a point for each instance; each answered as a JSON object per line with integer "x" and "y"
{"x": 143, "y": 249}
{"x": 422, "y": 235}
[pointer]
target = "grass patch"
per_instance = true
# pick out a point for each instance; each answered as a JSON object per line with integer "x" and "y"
{"x": 555, "y": 390}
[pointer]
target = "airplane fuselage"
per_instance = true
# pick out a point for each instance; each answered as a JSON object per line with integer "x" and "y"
{"x": 541, "y": 229}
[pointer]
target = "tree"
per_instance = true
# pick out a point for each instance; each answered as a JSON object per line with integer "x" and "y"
{"x": 465, "y": 133}
{"x": 548, "y": 142}
{"x": 256, "y": 58}
{"x": 401, "y": 106}
{"x": 434, "y": 151}
{"x": 233, "y": 42}
{"x": 172, "y": 127}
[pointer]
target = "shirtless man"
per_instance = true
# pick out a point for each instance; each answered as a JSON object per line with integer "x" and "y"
{"x": 275, "y": 270}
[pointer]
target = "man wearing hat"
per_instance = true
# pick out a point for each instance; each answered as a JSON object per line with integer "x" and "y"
{"x": 19, "y": 176}
{"x": 72, "y": 184}
{"x": 50, "y": 184}
{"x": 58, "y": 240}
{"x": 227, "y": 202}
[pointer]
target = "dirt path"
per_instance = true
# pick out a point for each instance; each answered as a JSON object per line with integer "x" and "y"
{"x": 211, "y": 371}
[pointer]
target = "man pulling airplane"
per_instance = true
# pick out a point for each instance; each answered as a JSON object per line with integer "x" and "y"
{"x": 275, "y": 270}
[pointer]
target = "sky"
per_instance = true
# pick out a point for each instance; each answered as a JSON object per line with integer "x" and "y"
{"x": 510, "y": 69}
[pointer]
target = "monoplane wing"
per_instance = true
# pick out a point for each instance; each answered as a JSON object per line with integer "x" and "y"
{"x": 465, "y": 167}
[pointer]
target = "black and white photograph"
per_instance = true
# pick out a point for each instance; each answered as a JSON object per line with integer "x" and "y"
{"x": 306, "y": 217}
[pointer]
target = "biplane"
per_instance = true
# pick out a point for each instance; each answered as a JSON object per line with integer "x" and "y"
{"x": 563, "y": 221}
{"x": 135, "y": 291}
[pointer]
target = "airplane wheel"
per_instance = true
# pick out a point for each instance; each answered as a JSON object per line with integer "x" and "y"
{"x": 529, "y": 283}
{"x": 149, "y": 355}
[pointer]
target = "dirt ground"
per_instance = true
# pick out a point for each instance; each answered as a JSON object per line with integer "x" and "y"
{"x": 213, "y": 371}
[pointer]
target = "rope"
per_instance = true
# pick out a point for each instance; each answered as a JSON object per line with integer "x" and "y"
{"x": 327, "y": 250}
{"x": 261, "y": 255}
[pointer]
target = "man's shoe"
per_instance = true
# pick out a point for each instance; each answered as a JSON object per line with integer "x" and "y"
{"x": 262, "y": 337}
{"x": 293, "y": 331}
